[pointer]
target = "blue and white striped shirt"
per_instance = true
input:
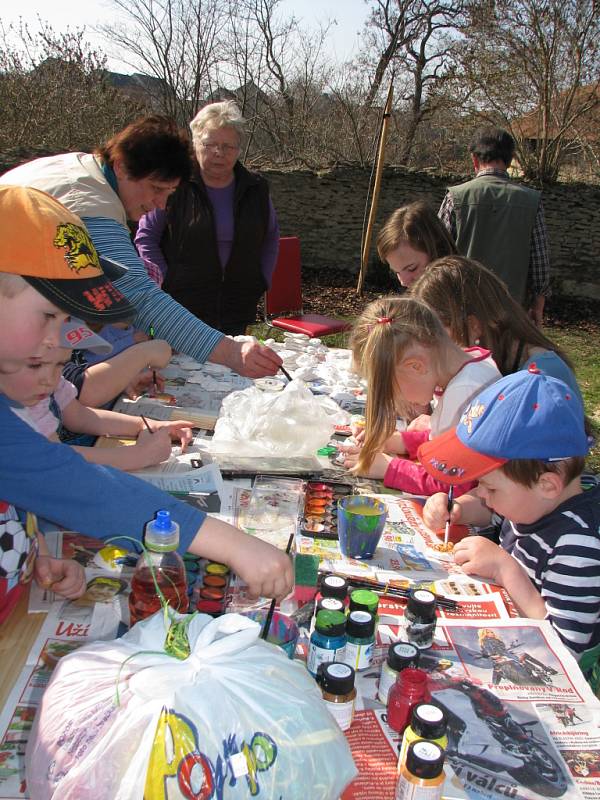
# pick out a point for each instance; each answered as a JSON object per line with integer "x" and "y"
{"x": 561, "y": 554}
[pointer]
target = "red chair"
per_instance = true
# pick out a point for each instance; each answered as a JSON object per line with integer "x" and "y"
{"x": 285, "y": 295}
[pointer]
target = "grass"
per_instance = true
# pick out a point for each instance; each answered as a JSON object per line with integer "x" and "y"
{"x": 580, "y": 346}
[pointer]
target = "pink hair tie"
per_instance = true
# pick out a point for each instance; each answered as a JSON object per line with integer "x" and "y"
{"x": 383, "y": 320}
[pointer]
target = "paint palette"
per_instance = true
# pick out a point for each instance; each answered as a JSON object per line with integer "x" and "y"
{"x": 320, "y": 508}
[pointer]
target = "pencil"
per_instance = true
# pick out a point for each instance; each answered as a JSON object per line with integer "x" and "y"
{"x": 265, "y": 631}
{"x": 145, "y": 421}
{"x": 450, "y": 501}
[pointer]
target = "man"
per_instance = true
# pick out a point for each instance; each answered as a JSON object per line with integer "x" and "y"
{"x": 133, "y": 173}
{"x": 501, "y": 223}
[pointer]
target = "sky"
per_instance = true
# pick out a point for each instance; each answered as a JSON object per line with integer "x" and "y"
{"x": 349, "y": 16}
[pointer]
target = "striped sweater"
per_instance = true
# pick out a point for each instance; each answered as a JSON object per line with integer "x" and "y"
{"x": 561, "y": 554}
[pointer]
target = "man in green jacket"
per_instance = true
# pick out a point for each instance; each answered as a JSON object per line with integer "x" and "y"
{"x": 500, "y": 222}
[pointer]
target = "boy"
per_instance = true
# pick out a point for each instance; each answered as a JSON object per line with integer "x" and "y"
{"x": 524, "y": 439}
{"x": 43, "y": 279}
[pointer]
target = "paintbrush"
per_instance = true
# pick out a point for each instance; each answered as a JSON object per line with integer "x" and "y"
{"x": 285, "y": 372}
{"x": 265, "y": 631}
{"x": 154, "y": 385}
{"x": 145, "y": 421}
{"x": 450, "y": 501}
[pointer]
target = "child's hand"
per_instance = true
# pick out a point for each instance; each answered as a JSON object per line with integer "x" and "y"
{"x": 420, "y": 423}
{"x": 435, "y": 511}
{"x": 179, "y": 429}
{"x": 152, "y": 448}
{"x": 158, "y": 353}
{"x": 478, "y": 556}
{"x": 377, "y": 469}
{"x": 266, "y": 570}
{"x": 394, "y": 444}
{"x": 143, "y": 382}
{"x": 63, "y": 575}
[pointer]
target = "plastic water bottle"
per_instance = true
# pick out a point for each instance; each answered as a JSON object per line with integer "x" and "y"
{"x": 162, "y": 561}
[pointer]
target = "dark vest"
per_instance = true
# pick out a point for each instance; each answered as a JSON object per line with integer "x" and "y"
{"x": 224, "y": 298}
{"x": 494, "y": 223}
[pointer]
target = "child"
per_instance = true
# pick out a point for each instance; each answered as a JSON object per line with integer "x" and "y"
{"x": 46, "y": 399}
{"x": 400, "y": 346}
{"x": 524, "y": 440}
{"x": 476, "y": 308}
{"x": 410, "y": 239}
{"x": 43, "y": 279}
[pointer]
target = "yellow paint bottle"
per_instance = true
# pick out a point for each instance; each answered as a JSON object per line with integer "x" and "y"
{"x": 422, "y": 776}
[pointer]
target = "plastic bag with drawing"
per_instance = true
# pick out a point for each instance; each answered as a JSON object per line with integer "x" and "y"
{"x": 235, "y": 719}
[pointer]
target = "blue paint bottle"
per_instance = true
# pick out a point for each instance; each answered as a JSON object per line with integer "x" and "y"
{"x": 328, "y": 640}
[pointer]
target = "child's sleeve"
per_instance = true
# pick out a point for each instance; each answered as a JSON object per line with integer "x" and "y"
{"x": 407, "y": 476}
{"x": 413, "y": 440}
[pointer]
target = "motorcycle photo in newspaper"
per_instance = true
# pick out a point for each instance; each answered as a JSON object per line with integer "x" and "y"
{"x": 518, "y": 668}
{"x": 482, "y": 733}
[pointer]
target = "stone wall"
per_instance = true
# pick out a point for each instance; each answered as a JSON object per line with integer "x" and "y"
{"x": 326, "y": 210}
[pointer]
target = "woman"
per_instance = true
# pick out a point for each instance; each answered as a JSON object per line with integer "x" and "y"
{"x": 133, "y": 173}
{"x": 216, "y": 245}
{"x": 410, "y": 239}
{"x": 476, "y": 308}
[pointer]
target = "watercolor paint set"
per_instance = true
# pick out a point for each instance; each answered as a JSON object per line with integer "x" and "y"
{"x": 320, "y": 508}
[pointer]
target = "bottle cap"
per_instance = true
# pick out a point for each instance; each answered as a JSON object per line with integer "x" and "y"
{"x": 331, "y": 623}
{"x": 428, "y": 721}
{"x": 360, "y": 624}
{"x": 162, "y": 534}
{"x": 364, "y": 600}
{"x": 425, "y": 759}
{"x": 336, "y": 678}
{"x": 330, "y": 604}
{"x": 334, "y": 586}
{"x": 401, "y": 655}
{"x": 422, "y": 603}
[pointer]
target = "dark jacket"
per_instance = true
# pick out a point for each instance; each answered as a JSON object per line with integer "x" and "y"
{"x": 225, "y": 298}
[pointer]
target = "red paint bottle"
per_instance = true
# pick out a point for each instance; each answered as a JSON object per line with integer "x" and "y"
{"x": 409, "y": 689}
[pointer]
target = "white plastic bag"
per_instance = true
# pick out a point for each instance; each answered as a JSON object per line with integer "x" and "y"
{"x": 293, "y": 422}
{"x": 236, "y": 719}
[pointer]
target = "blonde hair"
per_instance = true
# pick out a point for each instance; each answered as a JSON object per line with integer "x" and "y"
{"x": 418, "y": 225}
{"x": 217, "y": 115}
{"x": 11, "y": 285}
{"x": 458, "y": 288}
{"x": 380, "y": 338}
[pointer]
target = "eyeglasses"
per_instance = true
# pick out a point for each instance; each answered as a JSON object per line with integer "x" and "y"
{"x": 226, "y": 149}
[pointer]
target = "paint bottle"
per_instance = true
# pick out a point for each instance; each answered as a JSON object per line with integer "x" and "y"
{"x": 422, "y": 776}
{"x": 330, "y": 604}
{"x": 337, "y": 685}
{"x": 427, "y": 722}
{"x": 419, "y": 618}
{"x": 400, "y": 656}
{"x": 360, "y": 639}
{"x": 162, "y": 566}
{"x": 364, "y": 600}
{"x": 409, "y": 690}
{"x": 334, "y": 586}
{"x": 327, "y": 641}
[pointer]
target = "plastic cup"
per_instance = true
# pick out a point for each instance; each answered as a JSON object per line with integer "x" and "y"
{"x": 360, "y": 523}
{"x": 283, "y": 631}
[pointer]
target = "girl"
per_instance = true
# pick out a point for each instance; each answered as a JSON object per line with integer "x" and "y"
{"x": 401, "y": 348}
{"x": 476, "y": 309}
{"x": 46, "y": 399}
{"x": 410, "y": 239}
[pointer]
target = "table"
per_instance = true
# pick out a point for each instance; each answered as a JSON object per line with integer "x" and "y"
{"x": 17, "y": 636}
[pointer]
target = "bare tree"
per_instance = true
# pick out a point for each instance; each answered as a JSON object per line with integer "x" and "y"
{"x": 534, "y": 66}
{"x": 54, "y": 91}
{"x": 175, "y": 41}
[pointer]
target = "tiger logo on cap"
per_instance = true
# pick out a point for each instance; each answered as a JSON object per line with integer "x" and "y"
{"x": 81, "y": 252}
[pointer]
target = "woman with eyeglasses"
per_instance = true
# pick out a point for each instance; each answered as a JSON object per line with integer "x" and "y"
{"x": 215, "y": 246}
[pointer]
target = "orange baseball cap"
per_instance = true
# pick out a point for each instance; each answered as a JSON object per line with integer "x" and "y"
{"x": 50, "y": 248}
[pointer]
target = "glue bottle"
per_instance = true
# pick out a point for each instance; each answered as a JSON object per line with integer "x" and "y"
{"x": 160, "y": 566}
